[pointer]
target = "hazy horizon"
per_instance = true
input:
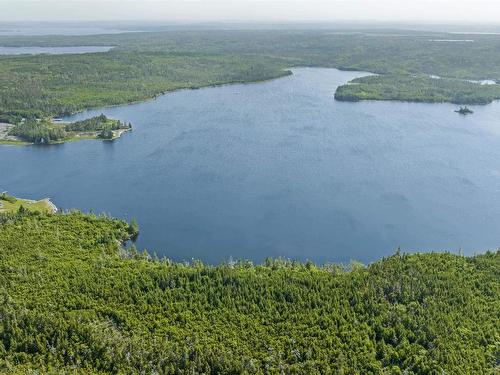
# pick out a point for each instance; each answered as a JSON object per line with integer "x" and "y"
{"x": 237, "y": 11}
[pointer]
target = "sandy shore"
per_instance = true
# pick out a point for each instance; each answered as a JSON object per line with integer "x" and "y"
{"x": 118, "y": 133}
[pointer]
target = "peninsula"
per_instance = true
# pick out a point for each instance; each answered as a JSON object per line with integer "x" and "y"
{"x": 48, "y": 131}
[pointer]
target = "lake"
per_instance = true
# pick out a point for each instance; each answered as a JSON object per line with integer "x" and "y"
{"x": 281, "y": 169}
{"x": 52, "y": 50}
{"x": 21, "y": 28}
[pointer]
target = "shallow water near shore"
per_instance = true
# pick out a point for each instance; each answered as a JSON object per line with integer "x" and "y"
{"x": 281, "y": 169}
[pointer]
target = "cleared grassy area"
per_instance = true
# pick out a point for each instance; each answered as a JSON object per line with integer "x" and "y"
{"x": 9, "y": 204}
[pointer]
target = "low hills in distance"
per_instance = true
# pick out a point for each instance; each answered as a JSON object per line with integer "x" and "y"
{"x": 77, "y": 297}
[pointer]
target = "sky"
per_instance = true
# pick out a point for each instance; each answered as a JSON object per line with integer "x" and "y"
{"x": 474, "y": 11}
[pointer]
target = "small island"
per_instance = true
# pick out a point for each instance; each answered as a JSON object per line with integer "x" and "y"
{"x": 465, "y": 111}
{"x": 48, "y": 131}
{"x": 10, "y": 204}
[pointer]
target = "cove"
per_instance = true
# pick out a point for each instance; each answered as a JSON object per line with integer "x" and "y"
{"x": 281, "y": 169}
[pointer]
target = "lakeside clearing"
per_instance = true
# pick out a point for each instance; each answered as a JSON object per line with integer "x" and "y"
{"x": 10, "y": 204}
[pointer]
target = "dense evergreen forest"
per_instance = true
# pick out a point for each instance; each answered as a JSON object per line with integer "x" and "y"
{"x": 74, "y": 301}
{"x": 417, "y": 89}
{"x": 38, "y": 132}
{"x": 143, "y": 65}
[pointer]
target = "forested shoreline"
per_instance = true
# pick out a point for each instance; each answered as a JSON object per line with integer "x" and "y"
{"x": 77, "y": 297}
{"x": 414, "y": 88}
{"x": 144, "y": 65}
{"x": 73, "y": 300}
{"x": 45, "y": 131}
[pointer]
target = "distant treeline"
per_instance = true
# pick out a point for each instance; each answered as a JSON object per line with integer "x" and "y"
{"x": 72, "y": 300}
{"x": 143, "y": 65}
{"x": 417, "y": 89}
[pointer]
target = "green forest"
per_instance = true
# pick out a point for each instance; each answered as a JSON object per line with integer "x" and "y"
{"x": 73, "y": 300}
{"x": 76, "y": 297}
{"x": 417, "y": 89}
{"x": 44, "y": 86}
{"x": 101, "y": 125}
{"x": 45, "y": 131}
{"x": 38, "y": 132}
{"x": 144, "y": 65}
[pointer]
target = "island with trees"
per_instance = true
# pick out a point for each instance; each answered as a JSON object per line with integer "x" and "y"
{"x": 46, "y": 131}
{"x": 465, "y": 111}
{"x": 417, "y": 88}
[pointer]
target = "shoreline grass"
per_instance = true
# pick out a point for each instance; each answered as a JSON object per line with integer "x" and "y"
{"x": 10, "y": 204}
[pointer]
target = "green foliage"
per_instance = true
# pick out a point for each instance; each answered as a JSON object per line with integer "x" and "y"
{"x": 36, "y": 87}
{"x": 106, "y": 133}
{"x": 46, "y": 132}
{"x": 144, "y": 65}
{"x": 38, "y": 132}
{"x": 133, "y": 229}
{"x": 10, "y": 204}
{"x": 97, "y": 123}
{"x": 465, "y": 111}
{"x": 73, "y": 301}
{"x": 8, "y": 198}
{"x": 101, "y": 124}
{"x": 417, "y": 89}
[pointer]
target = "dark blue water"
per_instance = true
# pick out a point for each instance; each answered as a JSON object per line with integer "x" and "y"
{"x": 281, "y": 169}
